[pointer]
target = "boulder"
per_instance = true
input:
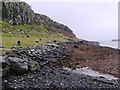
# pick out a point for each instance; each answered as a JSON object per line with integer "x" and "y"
{"x": 4, "y": 66}
{"x": 33, "y": 65}
{"x": 76, "y": 46}
{"x": 18, "y": 65}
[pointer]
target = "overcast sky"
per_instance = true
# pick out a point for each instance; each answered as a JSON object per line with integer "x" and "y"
{"x": 88, "y": 20}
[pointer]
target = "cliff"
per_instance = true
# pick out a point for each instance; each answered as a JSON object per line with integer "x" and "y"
{"x": 16, "y": 13}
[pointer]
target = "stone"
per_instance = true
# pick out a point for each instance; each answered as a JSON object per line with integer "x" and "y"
{"x": 5, "y": 66}
{"x": 5, "y": 81}
{"x": 76, "y": 46}
{"x": 33, "y": 65}
{"x": 13, "y": 47}
{"x": 23, "y": 60}
{"x": 18, "y": 65}
{"x": 1, "y": 46}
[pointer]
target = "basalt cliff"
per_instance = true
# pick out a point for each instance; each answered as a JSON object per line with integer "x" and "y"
{"x": 16, "y": 13}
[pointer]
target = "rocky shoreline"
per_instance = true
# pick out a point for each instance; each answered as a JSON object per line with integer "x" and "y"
{"x": 41, "y": 67}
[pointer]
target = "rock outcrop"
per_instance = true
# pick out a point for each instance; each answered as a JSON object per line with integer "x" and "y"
{"x": 21, "y": 13}
{"x": 23, "y": 60}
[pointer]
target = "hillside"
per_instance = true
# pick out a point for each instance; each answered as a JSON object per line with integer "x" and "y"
{"x": 20, "y": 22}
{"x": 40, "y": 53}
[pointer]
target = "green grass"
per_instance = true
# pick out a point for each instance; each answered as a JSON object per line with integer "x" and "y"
{"x": 12, "y": 33}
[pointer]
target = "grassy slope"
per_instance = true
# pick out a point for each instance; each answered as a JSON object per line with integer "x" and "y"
{"x": 11, "y": 34}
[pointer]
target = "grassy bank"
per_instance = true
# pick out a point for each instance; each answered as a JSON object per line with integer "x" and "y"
{"x": 28, "y": 34}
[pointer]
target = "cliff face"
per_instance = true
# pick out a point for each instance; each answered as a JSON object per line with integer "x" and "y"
{"x": 21, "y": 13}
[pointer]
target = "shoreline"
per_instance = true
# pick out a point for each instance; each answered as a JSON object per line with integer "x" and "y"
{"x": 110, "y": 44}
{"x": 46, "y": 68}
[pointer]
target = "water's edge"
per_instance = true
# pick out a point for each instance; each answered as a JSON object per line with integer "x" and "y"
{"x": 112, "y": 44}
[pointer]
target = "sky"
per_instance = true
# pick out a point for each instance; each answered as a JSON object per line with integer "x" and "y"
{"x": 88, "y": 20}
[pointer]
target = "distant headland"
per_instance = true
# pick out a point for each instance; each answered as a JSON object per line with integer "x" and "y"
{"x": 115, "y": 40}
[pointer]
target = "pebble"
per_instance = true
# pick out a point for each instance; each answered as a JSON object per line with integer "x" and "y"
{"x": 5, "y": 81}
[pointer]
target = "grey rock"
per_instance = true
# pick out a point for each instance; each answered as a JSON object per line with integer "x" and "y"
{"x": 23, "y": 60}
{"x": 76, "y": 46}
{"x": 33, "y": 65}
{"x": 18, "y": 65}
{"x": 5, "y": 65}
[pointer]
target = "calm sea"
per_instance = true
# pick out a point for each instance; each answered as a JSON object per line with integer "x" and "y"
{"x": 113, "y": 44}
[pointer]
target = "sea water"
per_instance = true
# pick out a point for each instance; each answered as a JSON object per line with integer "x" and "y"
{"x": 113, "y": 44}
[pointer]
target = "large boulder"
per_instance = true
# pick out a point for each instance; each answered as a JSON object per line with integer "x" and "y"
{"x": 18, "y": 65}
{"x": 4, "y": 67}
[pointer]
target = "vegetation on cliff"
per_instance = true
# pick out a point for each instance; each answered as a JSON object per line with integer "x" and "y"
{"x": 28, "y": 35}
{"x": 20, "y": 23}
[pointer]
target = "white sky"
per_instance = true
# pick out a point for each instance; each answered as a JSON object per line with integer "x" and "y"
{"x": 93, "y": 20}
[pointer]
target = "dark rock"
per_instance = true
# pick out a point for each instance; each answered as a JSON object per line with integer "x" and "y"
{"x": 58, "y": 80}
{"x": 5, "y": 66}
{"x": 33, "y": 66}
{"x": 18, "y": 65}
{"x": 1, "y": 46}
{"x": 14, "y": 47}
{"x": 49, "y": 75}
{"x": 89, "y": 42}
{"x": 54, "y": 41}
{"x": 76, "y": 46}
{"x": 23, "y": 60}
